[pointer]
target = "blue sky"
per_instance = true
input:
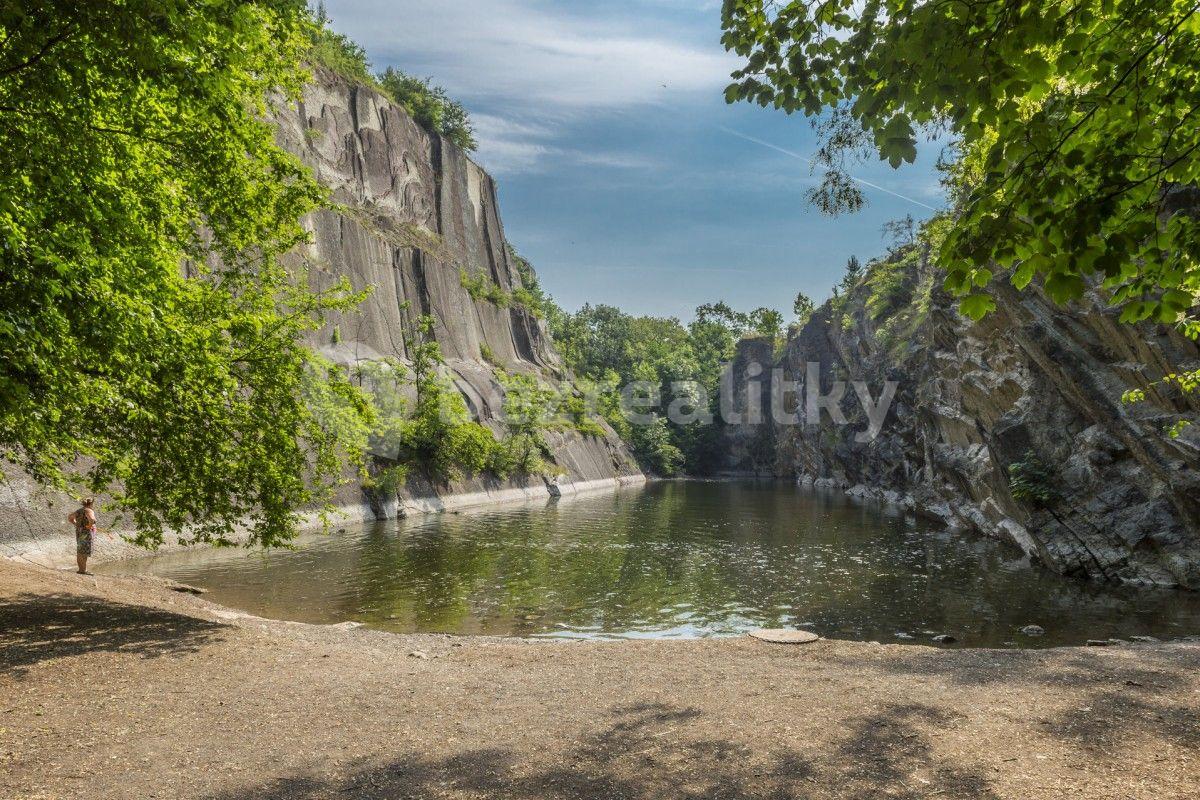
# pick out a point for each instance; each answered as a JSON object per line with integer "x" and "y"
{"x": 624, "y": 176}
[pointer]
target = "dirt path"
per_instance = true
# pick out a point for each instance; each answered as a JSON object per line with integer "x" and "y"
{"x": 119, "y": 687}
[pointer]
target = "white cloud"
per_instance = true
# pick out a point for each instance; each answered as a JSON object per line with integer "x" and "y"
{"x": 507, "y": 147}
{"x": 533, "y": 62}
{"x": 523, "y": 52}
{"x": 611, "y": 159}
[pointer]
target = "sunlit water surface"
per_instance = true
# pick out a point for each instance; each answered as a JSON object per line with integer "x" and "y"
{"x": 677, "y": 559}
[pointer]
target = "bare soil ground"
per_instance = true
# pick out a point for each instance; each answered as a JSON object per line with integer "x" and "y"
{"x": 121, "y": 688}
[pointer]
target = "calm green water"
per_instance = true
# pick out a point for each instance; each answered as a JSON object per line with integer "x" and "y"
{"x": 678, "y": 559}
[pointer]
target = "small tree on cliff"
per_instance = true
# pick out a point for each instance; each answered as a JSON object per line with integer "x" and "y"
{"x": 766, "y": 321}
{"x": 803, "y": 308}
{"x": 853, "y": 273}
{"x": 900, "y": 233}
{"x": 336, "y": 51}
{"x": 721, "y": 313}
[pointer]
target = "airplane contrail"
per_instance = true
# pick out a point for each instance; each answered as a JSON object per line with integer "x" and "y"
{"x": 810, "y": 160}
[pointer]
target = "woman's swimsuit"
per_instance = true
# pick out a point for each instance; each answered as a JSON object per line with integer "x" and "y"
{"x": 85, "y": 533}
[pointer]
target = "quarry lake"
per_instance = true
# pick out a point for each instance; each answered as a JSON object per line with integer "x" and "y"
{"x": 678, "y": 559}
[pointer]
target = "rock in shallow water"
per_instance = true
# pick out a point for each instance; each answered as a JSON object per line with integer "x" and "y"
{"x": 1033, "y": 630}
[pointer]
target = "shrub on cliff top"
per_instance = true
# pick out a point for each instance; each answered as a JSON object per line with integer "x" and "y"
{"x": 336, "y": 51}
{"x": 430, "y": 106}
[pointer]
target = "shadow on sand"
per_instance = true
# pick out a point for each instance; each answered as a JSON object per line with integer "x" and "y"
{"x": 647, "y": 752}
{"x": 36, "y": 628}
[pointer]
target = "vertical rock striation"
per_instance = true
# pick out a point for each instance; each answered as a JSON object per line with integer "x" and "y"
{"x": 416, "y": 215}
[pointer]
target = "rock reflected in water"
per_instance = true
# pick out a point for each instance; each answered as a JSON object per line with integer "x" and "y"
{"x": 679, "y": 559}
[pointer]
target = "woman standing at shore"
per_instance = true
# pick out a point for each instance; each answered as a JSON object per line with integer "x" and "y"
{"x": 84, "y": 520}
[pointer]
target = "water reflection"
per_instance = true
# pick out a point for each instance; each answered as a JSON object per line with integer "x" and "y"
{"x": 678, "y": 559}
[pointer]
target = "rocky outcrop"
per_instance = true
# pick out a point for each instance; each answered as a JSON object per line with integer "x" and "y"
{"x": 1031, "y": 393}
{"x": 416, "y": 212}
{"x": 415, "y": 215}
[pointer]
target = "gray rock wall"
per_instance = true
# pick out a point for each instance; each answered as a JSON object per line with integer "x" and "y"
{"x": 1032, "y": 379}
{"x": 415, "y": 212}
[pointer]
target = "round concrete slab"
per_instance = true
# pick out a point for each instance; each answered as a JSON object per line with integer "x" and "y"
{"x": 784, "y": 636}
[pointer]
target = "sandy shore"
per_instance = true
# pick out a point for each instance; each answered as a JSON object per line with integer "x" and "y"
{"x": 122, "y": 688}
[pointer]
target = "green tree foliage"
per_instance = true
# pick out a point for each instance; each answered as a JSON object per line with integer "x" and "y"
{"x": 530, "y": 293}
{"x": 383, "y": 382}
{"x": 853, "y": 273}
{"x": 722, "y": 314}
{"x": 336, "y": 51}
{"x": 1076, "y": 123}
{"x": 439, "y": 436}
{"x": 1184, "y": 382}
{"x": 1030, "y": 480}
{"x": 890, "y": 283}
{"x": 430, "y": 106}
{"x": 655, "y": 447}
{"x": 530, "y": 407}
{"x": 482, "y": 287}
{"x": 435, "y": 432}
{"x": 575, "y": 413}
{"x": 767, "y": 322}
{"x": 893, "y": 291}
{"x": 150, "y": 339}
{"x": 900, "y": 232}
{"x": 803, "y": 308}
{"x": 488, "y": 355}
{"x": 608, "y": 349}
{"x": 712, "y": 346}
{"x": 761, "y": 321}
{"x": 593, "y": 340}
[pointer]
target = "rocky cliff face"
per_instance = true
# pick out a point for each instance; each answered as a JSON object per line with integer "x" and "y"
{"x": 417, "y": 215}
{"x": 1027, "y": 398}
